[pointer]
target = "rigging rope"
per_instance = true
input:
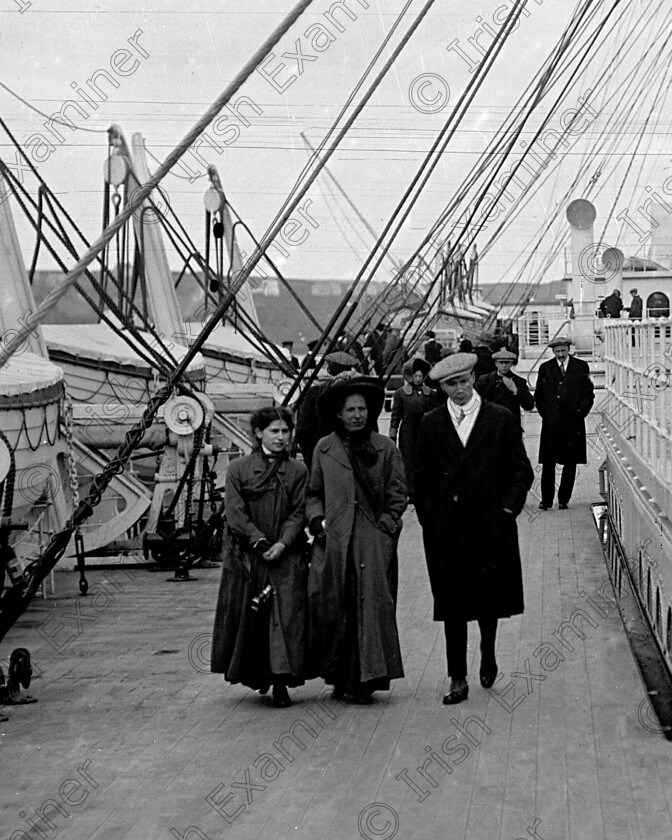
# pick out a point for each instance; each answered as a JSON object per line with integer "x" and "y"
{"x": 143, "y": 192}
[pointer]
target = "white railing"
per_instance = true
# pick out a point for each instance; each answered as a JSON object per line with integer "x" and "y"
{"x": 638, "y": 374}
{"x": 534, "y": 330}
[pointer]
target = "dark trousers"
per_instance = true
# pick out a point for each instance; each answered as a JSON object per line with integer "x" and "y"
{"x": 548, "y": 483}
{"x": 456, "y": 644}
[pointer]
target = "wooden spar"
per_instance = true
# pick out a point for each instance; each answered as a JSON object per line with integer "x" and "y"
{"x": 25, "y": 330}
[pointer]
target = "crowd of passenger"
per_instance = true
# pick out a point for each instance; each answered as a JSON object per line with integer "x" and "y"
{"x": 294, "y": 606}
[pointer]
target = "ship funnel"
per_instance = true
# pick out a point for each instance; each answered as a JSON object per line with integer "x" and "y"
{"x": 612, "y": 270}
{"x": 581, "y": 216}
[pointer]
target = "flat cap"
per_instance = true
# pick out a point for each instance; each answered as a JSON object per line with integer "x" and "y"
{"x": 454, "y": 365}
{"x": 339, "y": 357}
{"x": 504, "y": 355}
{"x": 560, "y": 341}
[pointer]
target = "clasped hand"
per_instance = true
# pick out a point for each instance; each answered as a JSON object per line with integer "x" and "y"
{"x": 274, "y": 552}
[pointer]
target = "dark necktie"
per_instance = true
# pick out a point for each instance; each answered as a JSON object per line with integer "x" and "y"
{"x": 562, "y": 370}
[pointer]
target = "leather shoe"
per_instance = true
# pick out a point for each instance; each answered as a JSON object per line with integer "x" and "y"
{"x": 542, "y": 506}
{"x": 362, "y": 697}
{"x": 456, "y": 695}
{"x": 281, "y": 697}
{"x": 563, "y": 506}
{"x": 488, "y": 674}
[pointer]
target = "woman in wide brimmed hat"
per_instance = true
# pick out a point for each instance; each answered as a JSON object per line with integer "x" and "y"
{"x": 410, "y": 402}
{"x": 259, "y": 633}
{"x": 356, "y": 497}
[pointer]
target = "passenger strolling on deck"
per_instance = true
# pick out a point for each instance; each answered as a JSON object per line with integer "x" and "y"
{"x": 410, "y": 402}
{"x": 564, "y": 396}
{"x": 471, "y": 479}
{"x": 356, "y": 497}
{"x": 504, "y": 387}
{"x": 259, "y": 632}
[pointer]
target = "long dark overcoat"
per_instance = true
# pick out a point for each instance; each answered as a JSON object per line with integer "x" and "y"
{"x": 563, "y": 403}
{"x": 471, "y": 544}
{"x": 408, "y": 406}
{"x": 492, "y": 389}
{"x": 250, "y": 647}
{"x": 369, "y": 532}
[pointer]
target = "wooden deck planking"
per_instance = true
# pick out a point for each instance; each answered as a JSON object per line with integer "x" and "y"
{"x": 162, "y": 735}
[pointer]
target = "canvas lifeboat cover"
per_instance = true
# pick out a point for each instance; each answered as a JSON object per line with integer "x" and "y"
{"x": 101, "y": 342}
{"x": 27, "y": 373}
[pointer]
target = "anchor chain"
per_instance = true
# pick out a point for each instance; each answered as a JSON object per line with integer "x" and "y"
{"x": 74, "y": 488}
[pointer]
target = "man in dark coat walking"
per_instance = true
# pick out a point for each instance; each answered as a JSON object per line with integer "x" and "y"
{"x": 563, "y": 396}
{"x": 504, "y": 387}
{"x": 471, "y": 478}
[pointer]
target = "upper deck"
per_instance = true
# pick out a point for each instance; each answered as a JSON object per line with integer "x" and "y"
{"x": 565, "y": 746}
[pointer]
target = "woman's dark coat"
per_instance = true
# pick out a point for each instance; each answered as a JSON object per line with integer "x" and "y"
{"x": 471, "y": 544}
{"x": 408, "y": 406}
{"x": 563, "y": 403}
{"x": 250, "y": 648}
{"x": 369, "y": 532}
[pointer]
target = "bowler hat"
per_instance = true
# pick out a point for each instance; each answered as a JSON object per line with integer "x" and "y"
{"x": 454, "y": 365}
{"x": 350, "y": 382}
{"x": 504, "y": 355}
{"x": 560, "y": 341}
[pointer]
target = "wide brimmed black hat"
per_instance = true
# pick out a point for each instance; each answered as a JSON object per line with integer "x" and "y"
{"x": 335, "y": 394}
{"x": 420, "y": 364}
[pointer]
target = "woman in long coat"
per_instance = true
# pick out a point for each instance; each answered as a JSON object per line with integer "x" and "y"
{"x": 259, "y": 637}
{"x": 410, "y": 402}
{"x": 355, "y": 501}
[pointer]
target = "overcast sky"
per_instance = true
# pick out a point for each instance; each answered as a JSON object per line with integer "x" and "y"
{"x": 165, "y": 62}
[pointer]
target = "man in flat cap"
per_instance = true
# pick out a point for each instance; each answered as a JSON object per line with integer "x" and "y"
{"x": 471, "y": 479}
{"x": 563, "y": 396}
{"x": 636, "y": 307}
{"x": 310, "y": 425}
{"x": 504, "y": 387}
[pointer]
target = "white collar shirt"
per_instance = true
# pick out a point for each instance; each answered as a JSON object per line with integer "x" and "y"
{"x": 470, "y": 410}
{"x": 562, "y": 364}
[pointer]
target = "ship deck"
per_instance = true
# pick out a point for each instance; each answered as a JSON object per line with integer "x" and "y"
{"x": 132, "y": 737}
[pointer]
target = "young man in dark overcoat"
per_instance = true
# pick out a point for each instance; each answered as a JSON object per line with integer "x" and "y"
{"x": 504, "y": 387}
{"x": 471, "y": 479}
{"x": 564, "y": 396}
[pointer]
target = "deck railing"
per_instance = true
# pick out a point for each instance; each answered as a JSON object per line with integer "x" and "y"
{"x": 638, "y": 374}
